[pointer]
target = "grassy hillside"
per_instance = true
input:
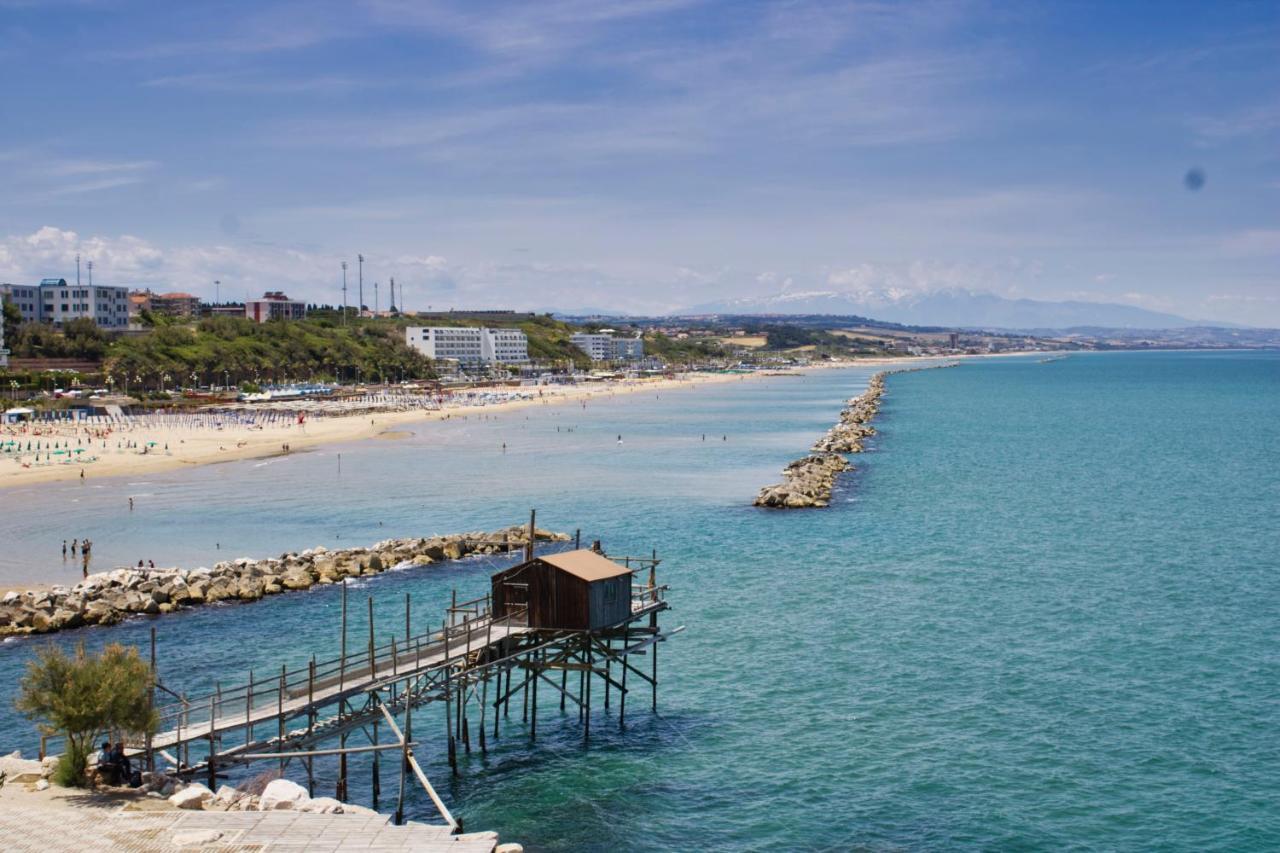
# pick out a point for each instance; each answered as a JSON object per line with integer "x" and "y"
{"x": 218, "y": 349}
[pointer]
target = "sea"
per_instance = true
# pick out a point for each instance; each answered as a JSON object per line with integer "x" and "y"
{"x": 1042, "y": 613}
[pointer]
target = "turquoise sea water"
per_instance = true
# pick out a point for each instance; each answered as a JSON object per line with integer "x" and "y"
{"x": 1042, "y": 614}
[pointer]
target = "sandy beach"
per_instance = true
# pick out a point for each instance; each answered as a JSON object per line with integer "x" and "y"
{"x": 172, "y": 447}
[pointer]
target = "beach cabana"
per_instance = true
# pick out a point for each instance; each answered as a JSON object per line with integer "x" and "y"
{"x": 575, "y": 590}
{"x": 18, "y": 415}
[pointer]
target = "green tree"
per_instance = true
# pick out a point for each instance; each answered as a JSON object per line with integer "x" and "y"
{"x": 12, "y": 320}
{"x": 81, "y": 696}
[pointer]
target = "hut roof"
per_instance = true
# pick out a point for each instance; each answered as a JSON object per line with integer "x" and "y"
{"x": 586, "y": 564}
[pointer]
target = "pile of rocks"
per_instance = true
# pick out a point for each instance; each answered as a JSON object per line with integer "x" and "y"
{"x": 855, "y": 421}
{"x": 109, "y": 597}
{"x": 808, "y": 482}
{"x": 278, "y": 795}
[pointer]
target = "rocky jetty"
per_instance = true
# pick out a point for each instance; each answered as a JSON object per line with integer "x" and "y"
{"x": 109, "y": 597}
{"x": 808, "y": 482}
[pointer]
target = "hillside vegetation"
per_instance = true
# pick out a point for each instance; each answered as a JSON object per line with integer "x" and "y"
{"x": 221, "y": 349}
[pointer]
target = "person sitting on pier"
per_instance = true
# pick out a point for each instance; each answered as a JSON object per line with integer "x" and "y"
{"x": 108, "y": 772}
{"x": 121, "y": 763}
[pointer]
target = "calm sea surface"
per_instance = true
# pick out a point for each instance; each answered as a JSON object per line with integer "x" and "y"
{"x": 1043, "y": 613}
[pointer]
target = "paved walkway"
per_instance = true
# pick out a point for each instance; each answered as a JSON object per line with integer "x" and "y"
{"x": 40, "y": 830}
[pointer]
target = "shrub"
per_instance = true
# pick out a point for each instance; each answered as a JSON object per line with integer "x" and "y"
{"x": 81, "y": 696}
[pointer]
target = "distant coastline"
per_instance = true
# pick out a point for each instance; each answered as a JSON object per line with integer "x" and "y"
{"x": 187, "y": 447}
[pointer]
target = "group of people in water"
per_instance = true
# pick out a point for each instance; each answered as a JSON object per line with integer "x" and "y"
{"x": 84, "y": 546}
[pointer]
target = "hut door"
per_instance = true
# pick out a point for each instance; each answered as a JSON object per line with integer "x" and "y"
{"x": 515, "y": 598}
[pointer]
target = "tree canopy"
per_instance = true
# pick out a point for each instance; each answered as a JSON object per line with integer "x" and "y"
{"x": 81, "y": 696}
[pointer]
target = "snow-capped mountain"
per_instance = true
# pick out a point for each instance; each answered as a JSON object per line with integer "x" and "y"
{"x": 949, "y": 308}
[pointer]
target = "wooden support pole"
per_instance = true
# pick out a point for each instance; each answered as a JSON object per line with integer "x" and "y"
{"x": 496, "y": 716}
{"x": 311, "y": 723}
{"x": 213, "y": 775}
{"x": 607, "y": 678}
{"x": 373, "y": 668}
{"x": 524, "y": 690}
{"x": 622, "y": 694}
{"x": 248, "y": 712}
{"x": 533, "y": 720}
{"x": 280, "y": 714}
{"x": 404, "y": 767}
{"x": 466, "y": 714}
{"x": 448, "y": 727}
{"x": 484, "y": 708}
{"x": 186, "y": 718}
{"x": 342, "y": 659}
{"x": 564, "y": 687}
{"x": 586, "y": 725}
{"x": 341, "y": 792}
{"x": 654, "y": 682}
{"x": 528, "y": 547}
{"x": 151, "y": 703}
{"x": 377, "y": 769}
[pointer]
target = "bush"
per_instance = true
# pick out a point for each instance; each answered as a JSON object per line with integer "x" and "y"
{"x": 82, "y": 696}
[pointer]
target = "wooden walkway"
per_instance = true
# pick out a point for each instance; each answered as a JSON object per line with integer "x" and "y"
{"x": 292, "y": 695}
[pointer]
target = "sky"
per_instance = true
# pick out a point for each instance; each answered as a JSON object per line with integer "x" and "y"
{"x": 648, "y": 155}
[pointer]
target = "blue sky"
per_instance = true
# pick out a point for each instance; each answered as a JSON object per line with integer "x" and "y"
{"x": 647, "y": 155}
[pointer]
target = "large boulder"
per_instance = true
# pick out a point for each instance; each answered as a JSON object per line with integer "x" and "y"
{"x": 191, "y": 797}
{"x": 323, "y": 805}
{"x": 282, "y": 794}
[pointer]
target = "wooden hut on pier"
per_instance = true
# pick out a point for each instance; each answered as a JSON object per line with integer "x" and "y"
{"x": 575, "y": 590}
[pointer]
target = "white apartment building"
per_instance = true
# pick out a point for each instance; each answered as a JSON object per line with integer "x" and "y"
{"x": 469, "y": 345}
{"x": 603, "y": 346}
{"x": 55, "y": 301}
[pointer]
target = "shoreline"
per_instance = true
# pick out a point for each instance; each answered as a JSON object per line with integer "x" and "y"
{"x": 194, "y": 447}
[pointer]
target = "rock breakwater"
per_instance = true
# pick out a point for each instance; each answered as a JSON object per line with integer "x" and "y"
{"x": 110, "y": 597}
{"x": 808, "y": 481}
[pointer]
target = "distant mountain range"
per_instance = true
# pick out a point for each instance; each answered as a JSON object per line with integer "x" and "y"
{"x": 955, "y": 308}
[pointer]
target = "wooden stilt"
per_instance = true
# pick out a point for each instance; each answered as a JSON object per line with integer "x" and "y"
{"x": 248, "y": 712}
{"x": 524, "y": 690}
{"x": 464, "y": 717}
{"x": 373, "y": 664}
{"x": 213, "y": 774}
{"x": 341, "y": 792}
{"x": 448, "y": 730}
{"x": 186, "y": 744}
{"x": 586, "y": 710}
{"x": 484, "y": 709}
{"x": 654, "y": 683}
{"x": 622, "y": 694}
{"x": 280, "y": 714}
{"x": 151, "y": 702}
{"x": 311, "y": 723}
{"x": 533, "y": 720}
{"x": 377, "y": 768}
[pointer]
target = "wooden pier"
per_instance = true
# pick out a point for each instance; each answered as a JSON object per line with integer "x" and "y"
{"x": 484, "y": 653}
